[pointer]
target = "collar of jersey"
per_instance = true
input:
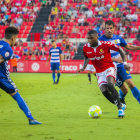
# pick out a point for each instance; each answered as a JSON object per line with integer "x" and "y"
{"x": 99, "y": 43}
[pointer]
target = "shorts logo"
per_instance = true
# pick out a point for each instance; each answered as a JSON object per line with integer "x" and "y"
{"x": 35, "y": 66}
{"x": 7, "y": 54}
{"x": 109, "y": 71}
{"x": 101, "y": 51}
{"x": 127, "y": 72}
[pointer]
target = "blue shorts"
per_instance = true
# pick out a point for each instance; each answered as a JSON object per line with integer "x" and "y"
{"x": 122, "y": 75}
{"x": 55, "y": 66}
{"x": 8, "y": 85}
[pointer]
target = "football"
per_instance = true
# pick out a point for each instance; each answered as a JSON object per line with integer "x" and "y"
{"x": 94, "y": 111}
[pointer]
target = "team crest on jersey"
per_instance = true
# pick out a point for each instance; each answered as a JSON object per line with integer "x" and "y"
{"x": 116, "y": 42}
{"x": 7, "y": 54}
{"x": 101, "y": 51}
{"x": 127, "y": 72}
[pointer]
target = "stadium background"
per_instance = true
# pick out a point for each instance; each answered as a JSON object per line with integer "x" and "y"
{"x": 68, "y": 22}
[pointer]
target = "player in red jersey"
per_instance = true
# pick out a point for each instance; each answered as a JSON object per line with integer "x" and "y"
{"x": 90, "y": 69}
{"x": 99, "y": 54}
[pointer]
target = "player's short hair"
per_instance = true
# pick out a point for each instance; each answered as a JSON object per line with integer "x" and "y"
{"x": 10, "y": 32}
{"x": 92, "y": 32}
{"x": 109, "y": 22}
{"x": 53, "y": 41}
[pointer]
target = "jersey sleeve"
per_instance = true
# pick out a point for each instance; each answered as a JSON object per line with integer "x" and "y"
{"x": 7, "y": 53}
{"x": 113, "y": 46}
{"x": 122, "y": 42}
{"x": 84, "y": 51}
{"x": 60, "y": 51}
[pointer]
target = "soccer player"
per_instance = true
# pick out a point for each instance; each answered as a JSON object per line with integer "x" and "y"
{"x": 99, "y": 54}
{"x": 55, "y": 53}
{"x": 6, "y": 84}
{"x": 90, "y": 69}
{"x": 122, "y": 74}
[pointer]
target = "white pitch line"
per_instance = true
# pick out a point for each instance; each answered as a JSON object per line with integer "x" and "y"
{"x": 72, "y": 74}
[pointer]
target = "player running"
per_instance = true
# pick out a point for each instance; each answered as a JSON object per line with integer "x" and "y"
{"x": 6, "y": 84}
{"x": 55, "y": 53}
{"x": 99, "y": 54}
{"x": 90, "y": 69}
{"x": 122, "y": 74}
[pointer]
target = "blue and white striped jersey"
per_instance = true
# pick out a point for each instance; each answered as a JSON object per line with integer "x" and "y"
{"x": 116, "y": 40}
{"x": 7, "y": 53}
{"x": 55, "y": 52}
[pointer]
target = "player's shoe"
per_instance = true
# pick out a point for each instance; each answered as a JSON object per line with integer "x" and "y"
{"x": 121, "y": 113}
{"x": 33, "y": 122}
{"x": 54, "y": 83}
{"x": 123, "y": 107}
{"x": 57, "y": 82}
{"x": 89, "y": 82}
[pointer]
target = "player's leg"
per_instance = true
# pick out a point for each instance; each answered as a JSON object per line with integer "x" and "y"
{"x": 135, "y": 91}
{"x": 53, "y": 72}
{"x": 8, "y": 86}
{"x": 58, "y": 72}
{"x": 88, "y": 72}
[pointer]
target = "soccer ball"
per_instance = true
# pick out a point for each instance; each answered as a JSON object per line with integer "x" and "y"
{"x": 94, "y": 111}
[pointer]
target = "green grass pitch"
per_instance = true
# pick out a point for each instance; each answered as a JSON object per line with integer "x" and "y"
{"x": 63, "y": 110}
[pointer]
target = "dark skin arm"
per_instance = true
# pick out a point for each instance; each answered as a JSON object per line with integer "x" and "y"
{"x": 1, "y": 59}
{"x": 124, "y": 59}
{"x": 86, "y": 61}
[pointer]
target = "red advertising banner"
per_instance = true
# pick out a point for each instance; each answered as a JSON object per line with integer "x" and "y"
{"x": 68, "y": 66}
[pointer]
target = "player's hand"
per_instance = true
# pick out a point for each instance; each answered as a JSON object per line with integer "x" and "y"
{"x": 81, "y": 70}
{"x": 127, "y": 67}
{"x": 47, "y": 64}
{"x": 61, "y": 63}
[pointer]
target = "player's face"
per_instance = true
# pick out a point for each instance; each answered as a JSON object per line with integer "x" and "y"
{"x": 109, "y": 30}
{"x": 53, "y": 44}
{"x": 13, "y": 40}
{"x": 92, "y": 39}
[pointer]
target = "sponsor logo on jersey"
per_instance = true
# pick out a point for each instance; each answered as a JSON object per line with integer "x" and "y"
{"x": 7, "y": 54}
{"x": 101, "y": 51}
{"x": 1, "y": 46}
{"x": 127, "y": 72}
{"x": 89, "y": 52}
{"x": 97, "y": 58}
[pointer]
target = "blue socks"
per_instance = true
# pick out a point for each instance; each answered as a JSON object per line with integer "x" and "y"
{"x": 53, "y": 75}
{"x": 121, "y": 94}
{"x": 58, "y": 76}
{"x": 136, "y": 93}
{"x": 23, "y": 106}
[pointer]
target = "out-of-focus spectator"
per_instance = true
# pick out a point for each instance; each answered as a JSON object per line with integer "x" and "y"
{"x": 64, "y": 42}
{"x": 19, "y": 42}
{"x": 33, "y": 57}
{"x": 18, "y": 2}
{"x": 1, "y": 22}
{"x": 43, "y": 52}
{"x": 134, "y": 17}
{"x": 43, "y": 58}
{"x": 25, "y": 9}
{"x": 105, "y": 14}
{"x": 89, "y": 13}
{"x": 47, "y": 43}
{"x": 68, "y": 46}
{"x": 32, "y": 16}
{"x": 47, "y": 27}
{"x": 61, "y": 34}
{"x": 94, "y": 2}
{"x": 37, "y": 51}
{"x": 36, "y": 9}
{"x": 74, "y": 48}
{"x": 63, "y": 3}
{"x": 80, "y": 21}
{"x": 61, "y": 25}
{"x": 86, "y": 23}
{"x": 67, "y": 55}
{"x": 26, "y": 58}
{"x": 134, "y": 29}
{"x": 74, "y": 29}
{"x": 8, "y": 21}
{"x": 30, "y": 51}
{"x": 44, "y": 3}
{"x": 14, "y": 9}
{"x": 4, "y": 20}
{"x": 42, "y": 42}
{"x": 49, "y": 2}
{"x": 119, "y": 5}
{"x": 19, "y": 20}
{"x": 25, "y": 51}
{"x": 3, "y": 9}
{"x": 52, "y": 15}
{"x": 25, "y": 17}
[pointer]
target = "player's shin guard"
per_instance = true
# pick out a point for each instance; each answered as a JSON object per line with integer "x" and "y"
{"x": 108, "y": 96}
{"x": 136, "y": 93}
{"x": 53, "y": 76}
{"x": 89, "y": 77}
{"x": 115, "y": 95}
{"x": 23, "y": 106}
{"x": 58, "y": 76}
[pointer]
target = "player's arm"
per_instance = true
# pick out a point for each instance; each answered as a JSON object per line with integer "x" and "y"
{"x": 127, "y": 67}
{"x": 119, "y": 59}
{"x": 1, "y": 59}
{"x": 86, "y": 61}
{"x": 61, "y": 59}
{"x": 132, "y": 47}
{"x": 48, "y": 59}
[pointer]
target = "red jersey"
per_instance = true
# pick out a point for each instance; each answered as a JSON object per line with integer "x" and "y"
{"x": 100, "y": 56}
{"x": 90, "y": 63}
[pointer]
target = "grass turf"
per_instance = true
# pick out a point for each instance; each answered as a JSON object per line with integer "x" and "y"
{"x": 63, "y": 110}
